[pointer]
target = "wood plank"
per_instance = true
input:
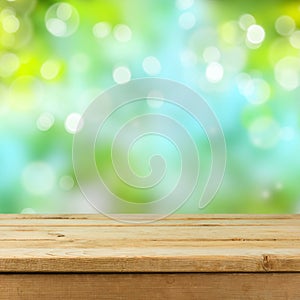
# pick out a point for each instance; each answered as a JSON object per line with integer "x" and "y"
{"x": 173, "y": 219}
{"x": 157, "y": 233}
{"x": 179, "y": 243}
{"x": 190, "y": 220}
{"x": 150, "y": 286}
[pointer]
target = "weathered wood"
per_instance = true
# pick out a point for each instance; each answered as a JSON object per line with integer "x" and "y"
{"x": 180, "y": 243}
{"x": 150, "y": 286}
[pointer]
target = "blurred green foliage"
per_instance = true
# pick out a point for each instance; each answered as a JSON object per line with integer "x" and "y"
{"x": 242, "y": 56}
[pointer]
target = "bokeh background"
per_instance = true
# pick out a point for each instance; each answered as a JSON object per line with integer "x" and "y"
{"x": 243, "y": 57}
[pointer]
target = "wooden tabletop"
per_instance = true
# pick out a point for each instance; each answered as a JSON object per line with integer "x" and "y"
{"x": 179, "y": 243}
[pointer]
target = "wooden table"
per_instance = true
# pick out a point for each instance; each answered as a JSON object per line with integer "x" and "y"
{"x": 181, "y": 257}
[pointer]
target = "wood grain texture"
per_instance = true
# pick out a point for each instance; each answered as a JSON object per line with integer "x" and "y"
{"x": 179, "y": 243}
{"x": 154, "y": 286}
